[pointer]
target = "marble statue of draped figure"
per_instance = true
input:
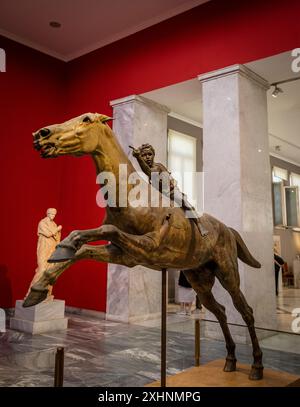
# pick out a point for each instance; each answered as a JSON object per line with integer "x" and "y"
{"x": 49, "y": 235}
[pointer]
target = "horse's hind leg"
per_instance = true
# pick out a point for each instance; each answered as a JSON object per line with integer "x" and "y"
{"x": 246, "y": 311}
{"x": 209, "y": 301}
{"x": 202, "y": 281}
{"x": 229, "y": 278}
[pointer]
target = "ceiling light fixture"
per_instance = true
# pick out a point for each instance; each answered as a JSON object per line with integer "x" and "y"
{"x": 277, "y": 89}
{"x": 55, "y": 24}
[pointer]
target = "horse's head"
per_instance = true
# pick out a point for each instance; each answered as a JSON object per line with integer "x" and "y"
{"x": 75, "y": 137}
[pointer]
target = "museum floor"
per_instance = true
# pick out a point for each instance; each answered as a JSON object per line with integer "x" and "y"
{"x": 105, "y": 353}
{"x": 287, "y": 300}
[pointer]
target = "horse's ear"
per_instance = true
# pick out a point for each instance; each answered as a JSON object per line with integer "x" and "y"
{"x": 104, "y": 118}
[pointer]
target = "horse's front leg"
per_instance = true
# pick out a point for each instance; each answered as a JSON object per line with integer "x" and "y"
{"x": 132, "y": 244}
{"x": 67, "y": 248}
{"x": 106, "y": 253}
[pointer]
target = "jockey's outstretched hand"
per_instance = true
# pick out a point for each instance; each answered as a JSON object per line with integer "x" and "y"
{"x": 135, "y": 151}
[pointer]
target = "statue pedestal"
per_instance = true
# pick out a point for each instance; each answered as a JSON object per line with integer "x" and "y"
{"x": 212, "y": 375}
{"x": 44, "y": 317}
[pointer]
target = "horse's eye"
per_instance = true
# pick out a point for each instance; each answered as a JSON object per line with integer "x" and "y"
{"x": 87, "y": 119}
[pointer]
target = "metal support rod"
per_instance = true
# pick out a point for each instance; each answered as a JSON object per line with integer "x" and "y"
{"x": 197, "y": 342}
{"x": 163, "y": 327}
{"x": 59, "y": 368}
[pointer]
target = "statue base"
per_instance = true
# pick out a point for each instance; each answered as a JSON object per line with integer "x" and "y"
{"x": 212, "y": 375}
{"x": 47, "y": 316}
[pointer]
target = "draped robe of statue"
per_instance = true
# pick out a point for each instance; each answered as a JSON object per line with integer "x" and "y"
{"x": 48, "y": 238}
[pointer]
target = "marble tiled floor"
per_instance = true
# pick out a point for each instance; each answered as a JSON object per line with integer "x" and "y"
{"x": 287, "y": 301}
{"x": 109, "y": 354}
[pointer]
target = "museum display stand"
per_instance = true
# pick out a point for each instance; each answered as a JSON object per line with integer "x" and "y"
{"x": 212, "y": 375}
{"x": 45, "y": 317}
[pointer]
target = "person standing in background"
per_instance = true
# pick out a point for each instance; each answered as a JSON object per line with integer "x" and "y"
{"x": 186, "y": 295}
{"x": 278, "y": 263}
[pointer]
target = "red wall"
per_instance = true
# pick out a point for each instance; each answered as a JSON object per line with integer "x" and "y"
{"x": 31, "y": 95}
{"x": 217, "y": 34}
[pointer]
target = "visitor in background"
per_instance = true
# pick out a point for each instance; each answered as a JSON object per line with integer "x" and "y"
{"x": 186, "y": 295}
{"x": 278, "y": 263}
{"x": 198, "y": 306}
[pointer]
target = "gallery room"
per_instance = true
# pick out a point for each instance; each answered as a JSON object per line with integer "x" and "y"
{"x": 150, "y": 193}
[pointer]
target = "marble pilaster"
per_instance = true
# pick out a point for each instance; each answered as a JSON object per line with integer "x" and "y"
{"x": 2, "y": 320}
{"x": 135, "y": 294}
{"x": 237, "y": 179}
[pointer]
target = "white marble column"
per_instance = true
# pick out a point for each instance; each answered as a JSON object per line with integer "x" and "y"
{"x": 237, "y": 178}
{"x": 135, "y": 294}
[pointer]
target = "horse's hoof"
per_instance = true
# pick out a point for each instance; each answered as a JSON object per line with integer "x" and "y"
{"x": 35, "y": 297}
{"x": 62, "y": 253}
{"x": 230, "y": 365}
{"x": 256, "y": 373}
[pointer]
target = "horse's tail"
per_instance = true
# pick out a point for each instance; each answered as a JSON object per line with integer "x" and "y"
{"x": 243, "y": 252}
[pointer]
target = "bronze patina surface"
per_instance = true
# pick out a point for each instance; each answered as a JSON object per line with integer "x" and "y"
{"x": 155, "y": 237}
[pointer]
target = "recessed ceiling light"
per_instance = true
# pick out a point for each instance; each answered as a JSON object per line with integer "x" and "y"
{"x": 55, "y": 24}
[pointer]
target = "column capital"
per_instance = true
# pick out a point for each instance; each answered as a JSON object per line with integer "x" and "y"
{"x": 139, "y": 99}
{"x": 232, "y": 70}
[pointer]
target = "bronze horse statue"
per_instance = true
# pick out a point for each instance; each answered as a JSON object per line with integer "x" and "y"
{"x": 154, "y": 237}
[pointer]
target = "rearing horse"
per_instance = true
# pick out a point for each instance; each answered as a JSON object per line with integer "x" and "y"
{"x": 154, "y": 237}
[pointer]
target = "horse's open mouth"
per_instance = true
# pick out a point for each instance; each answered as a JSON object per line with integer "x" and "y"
{"x": 48, "y": 151}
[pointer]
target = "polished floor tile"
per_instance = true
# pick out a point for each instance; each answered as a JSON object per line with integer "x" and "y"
{"x": 109, "y": 354}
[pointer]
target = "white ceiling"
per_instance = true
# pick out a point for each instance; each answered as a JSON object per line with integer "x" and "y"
{"x": 284, "y": 111}
{"x": 185, "y": 99}
{"x": 86, "y": 24}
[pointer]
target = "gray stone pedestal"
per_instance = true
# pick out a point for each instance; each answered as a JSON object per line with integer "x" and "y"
{"x": 44, "y": 317}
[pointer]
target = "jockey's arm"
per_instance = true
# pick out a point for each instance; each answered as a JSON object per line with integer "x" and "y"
{"x": 144, "y": 166}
